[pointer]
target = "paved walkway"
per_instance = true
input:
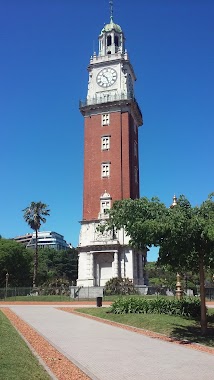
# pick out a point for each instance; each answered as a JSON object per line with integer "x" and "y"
{"x": 106, "y": 352}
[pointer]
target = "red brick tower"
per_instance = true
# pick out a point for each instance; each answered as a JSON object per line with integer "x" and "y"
{"x": 111, "y": 155}
{"x": 111, "y": 168}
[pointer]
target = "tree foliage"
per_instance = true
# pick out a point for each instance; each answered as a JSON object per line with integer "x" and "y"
{"x": 18, "y": 262}
{"x": 141, "y": 218}
{"x": 160, "y": 275}
{"x": 55, "y": 264}
{"x": 184, "y": 233}
{"x": 189, "y": 234}
{"x": 34, "y": 215}
{"x": 165, "y": 276}
{"x": 15, "y": 260}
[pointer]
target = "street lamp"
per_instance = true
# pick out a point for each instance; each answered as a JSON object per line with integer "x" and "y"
{"x": 179, "y": 292}
{"x": 6, "y": 283}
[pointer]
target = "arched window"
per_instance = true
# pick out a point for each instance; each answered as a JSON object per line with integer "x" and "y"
{"x": 105, "y": 204}
{"x": 116, "y": 40}
{"x": 108, "y": 40}
{"x": 109, "y": 52}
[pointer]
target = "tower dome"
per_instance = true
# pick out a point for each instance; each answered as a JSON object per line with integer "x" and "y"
{"x": 111, "y": 39}
{"x": 111, "y": 26}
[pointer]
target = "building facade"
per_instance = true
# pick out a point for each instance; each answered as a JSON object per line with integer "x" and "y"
{"x": 24, "y": 239}
{"x": 111, "y": 167}
{"x": 46, "y": 239}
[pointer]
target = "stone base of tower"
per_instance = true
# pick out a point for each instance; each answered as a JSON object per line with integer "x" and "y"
{"x": 104, "y": 256}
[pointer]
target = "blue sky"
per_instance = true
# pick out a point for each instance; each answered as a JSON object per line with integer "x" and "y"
{"x": 45, "y": 49}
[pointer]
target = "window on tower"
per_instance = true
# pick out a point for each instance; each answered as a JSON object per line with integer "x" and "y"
{"x": 105, "y": 119}
{"x": 116, "y": 40}
{"x": 105, "y": 142}
{"x": 109, "y": 41}
{"x": 105, "y": 170}
{"x": 105, "y": 205}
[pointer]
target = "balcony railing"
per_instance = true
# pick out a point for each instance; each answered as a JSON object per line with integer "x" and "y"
{"x": 108, "y": 98}
{"x": 99, "y": 99}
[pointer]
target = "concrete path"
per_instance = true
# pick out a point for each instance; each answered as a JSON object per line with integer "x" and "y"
{"x": 106, "y": 352}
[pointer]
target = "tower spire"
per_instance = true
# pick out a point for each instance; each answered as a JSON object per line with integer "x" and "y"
{"x": 174, "y": 203}
{"x": 111, "y": 11}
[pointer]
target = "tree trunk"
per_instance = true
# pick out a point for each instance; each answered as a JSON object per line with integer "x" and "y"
{"x": 202, "y": 295}
{"x": 35, "y": 267}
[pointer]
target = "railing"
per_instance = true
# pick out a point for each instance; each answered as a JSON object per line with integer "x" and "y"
{"x": 209, "y": 293}
{"x": 60, "y": 293}
{"x": 108, "y": 98}
{"x": 69, "y": 293}
{"x": 105, "y": 98}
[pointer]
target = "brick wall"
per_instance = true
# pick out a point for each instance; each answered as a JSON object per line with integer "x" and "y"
{"x": 121, "y": 182}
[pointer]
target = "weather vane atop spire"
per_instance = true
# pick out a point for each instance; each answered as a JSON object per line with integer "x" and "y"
{"x": 111, "y": 10}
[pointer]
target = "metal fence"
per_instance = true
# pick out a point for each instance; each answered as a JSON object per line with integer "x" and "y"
{"x": 209, "y": 293}
{"x": 34, "y": 294}
{"x": 14, "y": 292}
{"x": 65, "y": 293}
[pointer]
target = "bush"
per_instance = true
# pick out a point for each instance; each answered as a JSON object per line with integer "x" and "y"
{"x": 120, "y": 286}
{"x": 58, "y": 286}
{"x": 187, "y": 307}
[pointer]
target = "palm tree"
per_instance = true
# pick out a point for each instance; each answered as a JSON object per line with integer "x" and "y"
{"x": 34, "y": 216}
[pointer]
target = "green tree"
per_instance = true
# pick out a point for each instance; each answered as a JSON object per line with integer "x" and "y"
{"x": 160, "y": 275}
{"x": 34, "y": 215}
{"x": 15, "y": 260}
{"x": 55, "y": 264}
{"x": 185, "y": 234}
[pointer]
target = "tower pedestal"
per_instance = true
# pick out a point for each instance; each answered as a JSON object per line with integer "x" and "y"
{"x": 104, "y": 256}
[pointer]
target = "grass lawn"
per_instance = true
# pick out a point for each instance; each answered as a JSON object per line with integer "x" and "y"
{"x": 16, "y": 360}
{"x": 61, "y": 298}
{"x": 172, "y": 326}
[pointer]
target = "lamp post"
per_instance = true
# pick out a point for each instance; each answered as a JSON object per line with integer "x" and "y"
{"x": 179, "y": 292}
{"x": 6, "y": 283}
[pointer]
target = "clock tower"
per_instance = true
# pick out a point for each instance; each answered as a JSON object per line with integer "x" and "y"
{"x": 111, "y": 168}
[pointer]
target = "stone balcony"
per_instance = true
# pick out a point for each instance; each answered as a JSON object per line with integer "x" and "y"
{"x": 111, "y": 100}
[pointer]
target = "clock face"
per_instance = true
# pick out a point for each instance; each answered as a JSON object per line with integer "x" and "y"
{"x": 106, "y": 77}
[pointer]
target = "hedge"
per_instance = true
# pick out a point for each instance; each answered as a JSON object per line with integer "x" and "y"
{"x": 188, "y": 307}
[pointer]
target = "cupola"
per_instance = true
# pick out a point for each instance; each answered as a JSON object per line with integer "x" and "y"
{"x": 111, "y": 38}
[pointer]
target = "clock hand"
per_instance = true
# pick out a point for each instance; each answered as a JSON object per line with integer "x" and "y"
{"x": 105, "y": 77}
